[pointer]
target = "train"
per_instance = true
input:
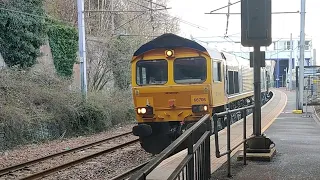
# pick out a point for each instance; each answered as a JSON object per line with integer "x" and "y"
{"x": 176, "y": 81}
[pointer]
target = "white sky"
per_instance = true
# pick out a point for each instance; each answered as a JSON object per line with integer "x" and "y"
{"x": 282, "y": 24}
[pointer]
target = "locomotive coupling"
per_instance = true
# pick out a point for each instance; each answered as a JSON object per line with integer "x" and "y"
{"x": 142, "y": 130}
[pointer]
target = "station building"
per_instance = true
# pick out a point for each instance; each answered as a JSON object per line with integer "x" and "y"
{"x": 279, "y": 51}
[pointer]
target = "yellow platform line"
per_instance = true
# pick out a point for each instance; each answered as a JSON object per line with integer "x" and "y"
{"x": 270, "y": 122}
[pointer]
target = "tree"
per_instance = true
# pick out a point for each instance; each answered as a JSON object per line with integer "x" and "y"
{"x": 112, "y": 37}
{"x": 21, "y": 35}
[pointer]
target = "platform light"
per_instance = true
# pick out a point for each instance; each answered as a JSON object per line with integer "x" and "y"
{"x": 169, "y": 53}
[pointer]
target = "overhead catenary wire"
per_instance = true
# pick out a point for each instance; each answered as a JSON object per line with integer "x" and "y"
{"x": 229, "y": 4}
{"x": 134, "y": 18}
{"x": 122, "y": 11}
{"x": 179, "y": 19}
{"x": 48, "y": 17}
{"x": 155, "y": 3}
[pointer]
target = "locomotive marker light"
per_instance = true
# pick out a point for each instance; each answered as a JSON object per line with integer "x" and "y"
{"x": 169, "y": 53}
{"x": 256, "y": 32}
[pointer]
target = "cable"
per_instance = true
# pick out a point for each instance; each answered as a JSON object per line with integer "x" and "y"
{"x": 186, "y": 22}
{"x": 155, "y": 3}
{"x": 130, "y": 20}
{"x": 20, "y": 12}
{"x": 282, "y": 51}
{"x": 181, "y": 20}
{"x": 225, "y": 6}
{"x": 140, "y": 5}
{"x": 33, "y": 15}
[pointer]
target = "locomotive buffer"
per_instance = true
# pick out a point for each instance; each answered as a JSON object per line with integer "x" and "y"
{"x": 256, "y": 32}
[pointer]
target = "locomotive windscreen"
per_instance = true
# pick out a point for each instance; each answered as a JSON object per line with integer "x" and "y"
{"x": 190, "y": 70}
{"x": 152, "y": 72}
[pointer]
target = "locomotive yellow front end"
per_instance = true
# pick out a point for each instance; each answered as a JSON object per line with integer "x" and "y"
{"x": 171, "y": 89}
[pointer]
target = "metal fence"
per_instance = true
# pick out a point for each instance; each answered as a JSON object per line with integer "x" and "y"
{"x": 196, "y": 165}
{"x": 244, "y": 112}
{"x": 311, "y": 84}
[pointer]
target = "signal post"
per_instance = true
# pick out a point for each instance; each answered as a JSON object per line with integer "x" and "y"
{"x": 256, "y": 32}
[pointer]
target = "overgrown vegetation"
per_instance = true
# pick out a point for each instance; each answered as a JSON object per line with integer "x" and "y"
{"x": 112, "y": 38}
{"x": 63, "y": 40}
{"x": 21, "y": 35}
{"x": 37, "y": 107}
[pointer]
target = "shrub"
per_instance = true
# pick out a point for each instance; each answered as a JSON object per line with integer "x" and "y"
{"x": 63, "y": 40}
{"x": 21, "y": 35}
{"x": 37, "y": 107}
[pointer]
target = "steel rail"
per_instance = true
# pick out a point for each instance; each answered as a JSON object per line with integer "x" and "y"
{"x": 69, "y": 164}
{"x": 22, "y": 165}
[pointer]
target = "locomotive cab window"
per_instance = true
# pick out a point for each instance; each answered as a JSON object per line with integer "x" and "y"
{"x": 217, "y": 72}
{"x": 190, "y": 70}
{"x": 152, "y": 72}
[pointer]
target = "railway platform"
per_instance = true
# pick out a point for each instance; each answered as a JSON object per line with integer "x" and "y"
{"x": 297, "y": 139}
{"x": 270, "y": 111}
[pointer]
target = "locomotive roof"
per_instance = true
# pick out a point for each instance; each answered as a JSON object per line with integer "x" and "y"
{"x": 171, "y": 41}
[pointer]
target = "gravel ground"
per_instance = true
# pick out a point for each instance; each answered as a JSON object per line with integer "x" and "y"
{"x": 57, "y": 161}
{"x": 34, "y": 151}
{"x": 106, "y": 166}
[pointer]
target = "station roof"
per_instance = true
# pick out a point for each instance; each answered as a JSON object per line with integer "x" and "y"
{"x": 169, "y": 41}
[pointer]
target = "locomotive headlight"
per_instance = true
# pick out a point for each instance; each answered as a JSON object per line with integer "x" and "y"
{"x": 141, "y": 110}
{"x": 199, "y": 108}
{"x": 145, "y": 110}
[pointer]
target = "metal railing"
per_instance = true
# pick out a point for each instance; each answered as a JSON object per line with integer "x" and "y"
{"x": 245, "y": 139}
{"x": 196, "y": 165}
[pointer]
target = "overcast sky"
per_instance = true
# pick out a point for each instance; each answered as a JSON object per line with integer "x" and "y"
{"x": 215, "y": 25}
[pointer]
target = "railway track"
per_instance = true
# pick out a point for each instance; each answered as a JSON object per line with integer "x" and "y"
{"x": 38, "y": 168}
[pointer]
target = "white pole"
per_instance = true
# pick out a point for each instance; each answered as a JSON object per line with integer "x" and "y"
{"x": 82, "y": 47}
{"x": 314, "y": 58}
{"x": 302, "y": 44}
{"x": 290, "y": 63}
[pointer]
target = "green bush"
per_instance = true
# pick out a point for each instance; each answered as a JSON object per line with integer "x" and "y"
{"x": 63, "y": 40}
{"x": 22, "y": 35}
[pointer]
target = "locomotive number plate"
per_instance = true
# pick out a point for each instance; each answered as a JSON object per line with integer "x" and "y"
{"x": 199, "y": 99}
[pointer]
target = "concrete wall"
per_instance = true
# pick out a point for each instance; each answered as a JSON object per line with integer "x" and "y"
{"x": 45, "y": 65}
{"x": 2, "y": 64}
{"x": 45, "y": 62}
